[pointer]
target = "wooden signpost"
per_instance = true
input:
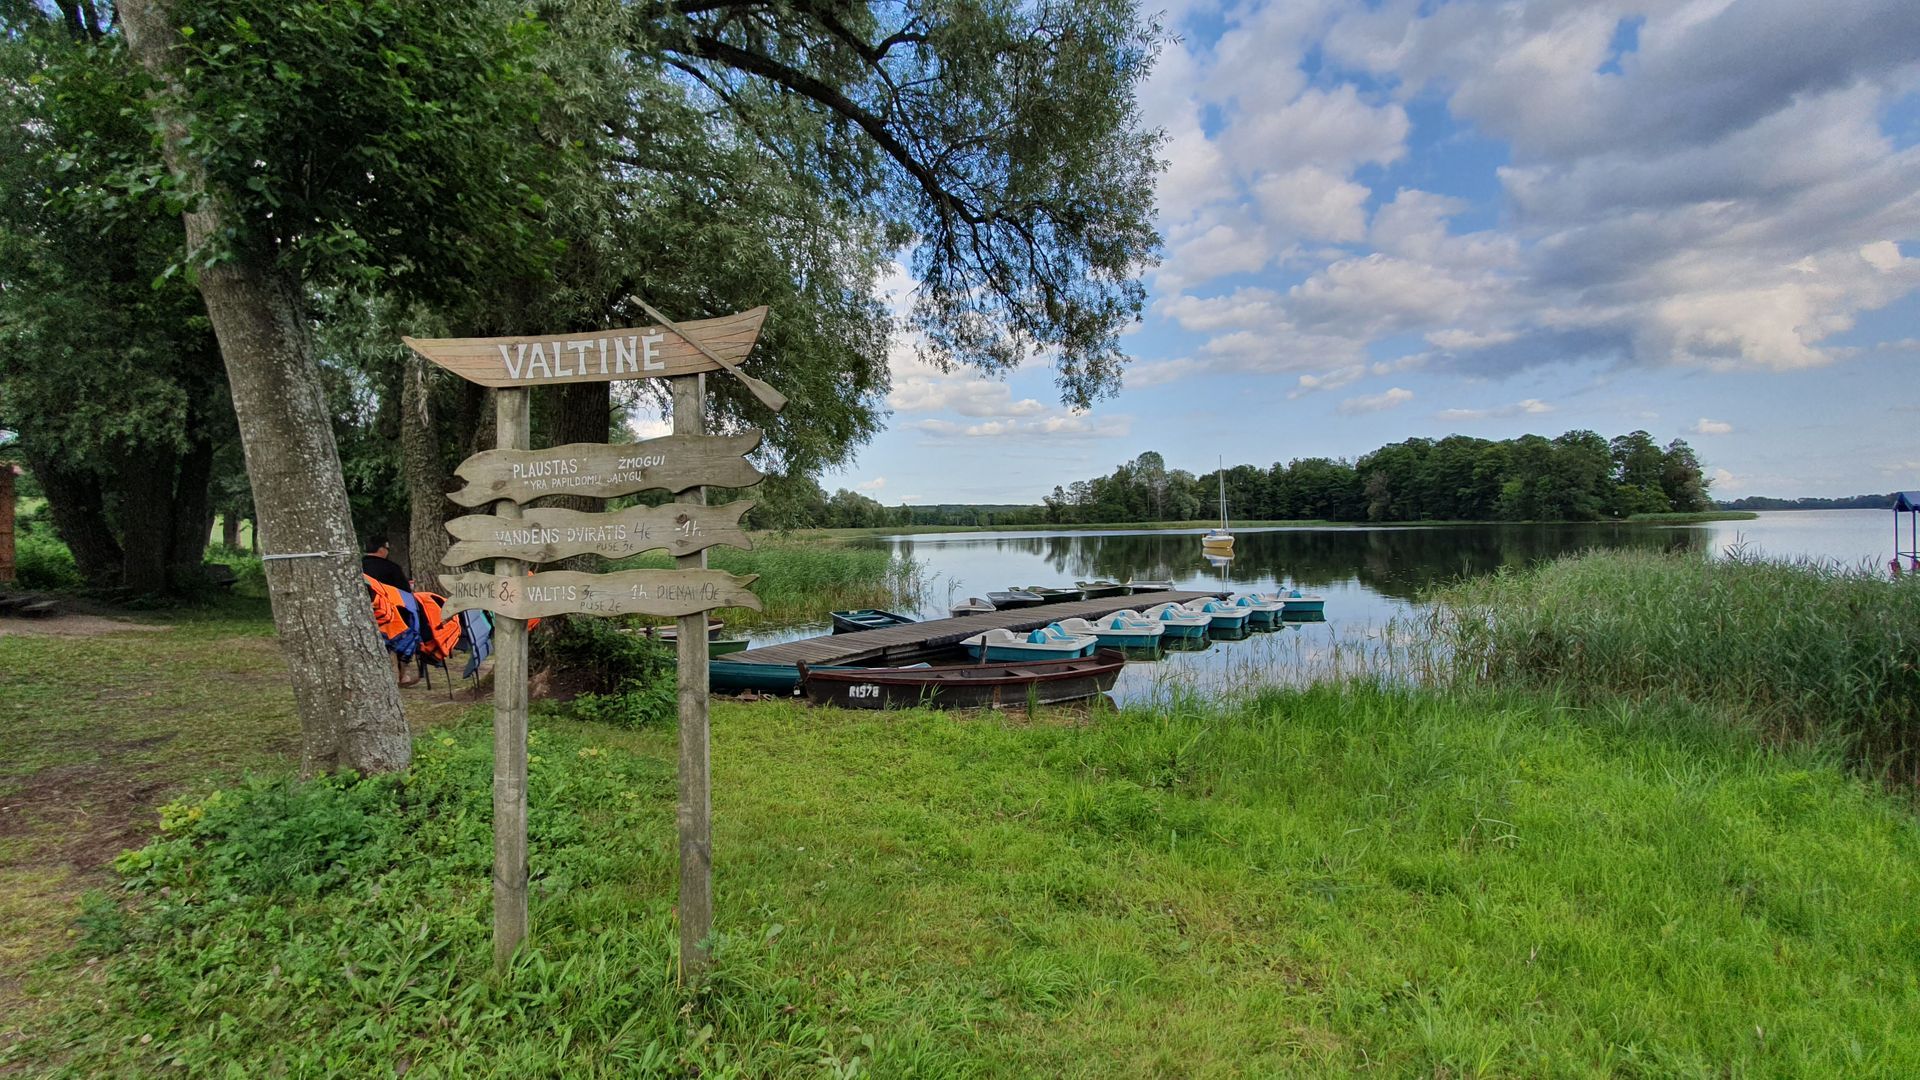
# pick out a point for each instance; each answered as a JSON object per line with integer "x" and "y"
{"x": 515, "y": 535}
{"x": 549, "y": 534}
{"x": 624, "y": 592}
{"x": 603, "y": 470}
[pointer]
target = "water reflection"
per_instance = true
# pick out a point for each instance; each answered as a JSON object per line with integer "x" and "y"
{"x": 1370, "y": 576}
{"x": 1395, "y": 562}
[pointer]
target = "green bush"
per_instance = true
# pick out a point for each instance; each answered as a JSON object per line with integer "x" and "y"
{"x": 43, "y": 562}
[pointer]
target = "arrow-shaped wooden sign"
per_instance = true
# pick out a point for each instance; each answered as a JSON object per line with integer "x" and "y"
{"x": 602, "y": 470}
{"x": 640, "y": 352}
{"x": 623, "y": 592}
{"x": 548, "y": 534}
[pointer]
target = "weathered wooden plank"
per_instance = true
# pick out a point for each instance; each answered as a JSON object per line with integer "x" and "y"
{"x": 641, "y": 352}
{"x": 623, "y": 592}
{"x": 602, "y": 471}
{"x": 550, "y": 534}
{"x": 693, "y": 807}
{"x": 513, "y": 429}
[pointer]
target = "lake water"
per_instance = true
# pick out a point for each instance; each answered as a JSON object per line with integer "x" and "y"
{"x": 1369, "y": 575}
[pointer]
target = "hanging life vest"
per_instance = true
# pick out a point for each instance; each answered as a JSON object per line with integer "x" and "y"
{"x": 442, "y": 632}
{"x": 397, "y": 616}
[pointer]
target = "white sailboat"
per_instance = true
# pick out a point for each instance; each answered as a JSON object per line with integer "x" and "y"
{"x": 1220, "y": 541}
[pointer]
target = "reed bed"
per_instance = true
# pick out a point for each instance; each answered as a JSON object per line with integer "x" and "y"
{"x": 1804, "y": 650}
{"x": 801, "y": 582}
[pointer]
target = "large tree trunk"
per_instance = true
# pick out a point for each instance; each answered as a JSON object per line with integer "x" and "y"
{"x": 192, "y": 515}
{"x": 582, "y": 413}
{"x": 80, "y": 517}
{"x": 343, "y": 683}
{"x": 146, "y": 518}
{"x": 425, "y": 474}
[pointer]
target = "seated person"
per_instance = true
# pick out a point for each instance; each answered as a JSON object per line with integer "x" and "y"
{"x": 375, "y": 564}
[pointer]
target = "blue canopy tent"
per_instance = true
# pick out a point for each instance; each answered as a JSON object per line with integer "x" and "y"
{"x": 1909, "y": 503}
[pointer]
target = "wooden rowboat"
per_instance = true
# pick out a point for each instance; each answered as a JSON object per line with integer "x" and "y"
{"x": 1013, "y": 598}
{"x": 1053, "y": 596}
{"x": 852, "y": 622}
{"x": 1094, "y": 590}
{"x": 972, "y": 686}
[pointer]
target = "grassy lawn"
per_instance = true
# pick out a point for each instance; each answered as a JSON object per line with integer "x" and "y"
{"x": 1330, "y": 882}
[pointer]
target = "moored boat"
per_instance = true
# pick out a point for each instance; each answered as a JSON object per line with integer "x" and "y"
{"x": 1053, "y": 596}
{"x": 852, "y": 622}
{"x": 1297, "y": 603}
{"x": 1002, "y": 645}
{"x": 1043, "y": 682}
{"x": 1140, "y": 585}
{"x": 733, "y": 675}
{"x": 1220, "y": 541}
{"x": 723, "y": 646}
{"x": 1013, "y": 598}
{"x": 1118, "y": 631}
{"x": 1265, "y": 610}
{"x": 1094, "y": 590}
{"x": 1179, "y": 622}
{"x": 973, "y": 606}
{"x": 671, "y": 634}
{"x": 1222, "y": 615}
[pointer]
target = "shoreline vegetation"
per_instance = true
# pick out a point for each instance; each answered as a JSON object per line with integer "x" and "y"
{"x": 1652, "y": 814}
{"x": 1203, "y": 525}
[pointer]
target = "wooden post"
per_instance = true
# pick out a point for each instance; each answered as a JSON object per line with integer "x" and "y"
{"x": 693, "y": 814}
{"x": 6, "y": 522}
{"x": 510, "y": 723}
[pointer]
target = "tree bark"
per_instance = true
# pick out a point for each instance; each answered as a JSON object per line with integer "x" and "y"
{"x": 146, "y": 519}
{"x": 192, "y": 514}
{"x": 581, "y": 414}
{"x": 230, "y": 531}
{"x": 343, "y": 683}
{"x": 425, "y": 474}
{"x": 79, "y": 514}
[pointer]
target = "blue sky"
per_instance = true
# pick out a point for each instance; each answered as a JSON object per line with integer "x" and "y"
{"x": 1398, "y": 219}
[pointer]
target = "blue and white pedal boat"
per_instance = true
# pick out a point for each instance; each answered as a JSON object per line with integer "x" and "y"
{"x": 1117, "y": 631}
{"x": 1045, "y": 644}
{"x": 1222, "y": 615}
{"x": 1178, "y": 621}
{"x": 1297, "y": 603}
{"x": 1265, "y": 610}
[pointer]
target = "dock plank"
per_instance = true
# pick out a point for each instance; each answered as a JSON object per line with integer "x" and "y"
{"x": 893, "y": 644}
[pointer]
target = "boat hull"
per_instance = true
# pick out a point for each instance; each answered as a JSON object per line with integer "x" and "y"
{"x": 983, "y": 686}
{"x": 733, "y": 675}
{"x": 853, "y": 622}
{"x": 1094, "y": 590}
{"x": 1015, "y": 653}
{"x": 1056, "y": 596}
{"x": 1006, "y": 601}
{"x": 1304, "y": 606}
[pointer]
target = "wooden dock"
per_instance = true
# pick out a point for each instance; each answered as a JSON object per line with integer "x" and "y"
{"x": 912, "y": 642}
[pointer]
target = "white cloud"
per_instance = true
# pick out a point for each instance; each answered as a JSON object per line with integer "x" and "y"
{"x": 1313, "y": 203}
{"x": 1063, "y": 426}
{"x": 1711, "y": 427}
{"x": 1391, "y": 399}
{"x": 1528, "y": 407}
{"x": 875, "y": 484}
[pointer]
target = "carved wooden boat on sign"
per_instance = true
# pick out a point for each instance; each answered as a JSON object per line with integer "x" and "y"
{"x": 549, "y": 534}
{"x": 623, "y": 592}
{"x": 602, "y": 470}
{"x": 641, "y": 352}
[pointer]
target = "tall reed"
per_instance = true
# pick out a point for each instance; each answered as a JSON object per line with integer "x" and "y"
{"x": 1806, "y": 649}
{"x": 801, "y": 582}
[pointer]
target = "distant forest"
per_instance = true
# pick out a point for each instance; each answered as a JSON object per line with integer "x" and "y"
{"x": 1853, "y": 502}
{"x": 1579, "y": 476}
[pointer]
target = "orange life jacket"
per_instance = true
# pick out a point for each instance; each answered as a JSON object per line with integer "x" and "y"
{"x": 390, "y": 617}
{"x": 442, "y": 631}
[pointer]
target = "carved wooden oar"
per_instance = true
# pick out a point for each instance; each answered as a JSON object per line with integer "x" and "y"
{"x": 771, "y": 398}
